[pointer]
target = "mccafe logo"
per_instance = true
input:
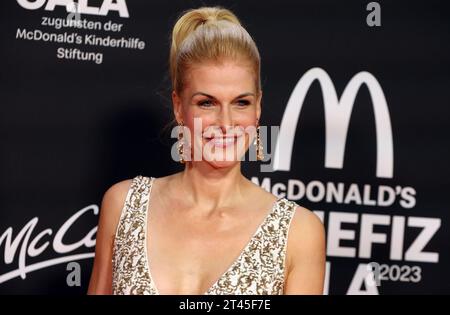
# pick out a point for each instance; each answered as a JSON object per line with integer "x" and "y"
{"x": 29, "y": 243}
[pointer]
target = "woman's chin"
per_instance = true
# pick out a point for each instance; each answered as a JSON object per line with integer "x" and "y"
{"x": 219, "y": 162}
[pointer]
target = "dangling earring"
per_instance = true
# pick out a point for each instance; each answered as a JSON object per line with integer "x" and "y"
{"x": 180, "y": 143}
{"x": 259, "y": 146}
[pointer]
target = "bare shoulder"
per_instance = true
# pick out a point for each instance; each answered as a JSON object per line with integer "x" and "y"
{"x": 111, "y": 208}
{"x": 118, "y": 190}
{"x": 306, "y": 233}
{"x": 305, "y": 257}
{"x": 114, "y": 197}
{"x": 305, "y": 224}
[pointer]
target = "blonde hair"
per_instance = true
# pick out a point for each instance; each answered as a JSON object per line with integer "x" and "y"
{"x": 209, "y": 34}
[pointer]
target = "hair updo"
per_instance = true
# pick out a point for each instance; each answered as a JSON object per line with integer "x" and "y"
{"x": 210, "y": 34}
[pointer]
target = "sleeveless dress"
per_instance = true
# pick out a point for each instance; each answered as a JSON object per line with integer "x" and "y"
{"x": 258, "y": 270}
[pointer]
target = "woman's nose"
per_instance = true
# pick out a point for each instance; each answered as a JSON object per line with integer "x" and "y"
{"x": 225, "y": 117}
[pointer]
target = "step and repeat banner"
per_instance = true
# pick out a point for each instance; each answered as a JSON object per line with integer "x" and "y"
{"x": 357, "y": 93}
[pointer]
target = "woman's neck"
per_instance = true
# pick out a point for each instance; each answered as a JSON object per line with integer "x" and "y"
{"x": 212, "y": 188}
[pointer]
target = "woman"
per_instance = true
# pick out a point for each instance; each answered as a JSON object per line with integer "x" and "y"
{"x": 208, "y": 229}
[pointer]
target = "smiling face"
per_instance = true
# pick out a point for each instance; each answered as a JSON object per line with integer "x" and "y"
{"x": 223, "y": 97}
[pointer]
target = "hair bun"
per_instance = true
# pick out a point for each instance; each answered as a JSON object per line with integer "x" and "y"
{"x": 213, "y": 32}
{"x": 191, "y": 19}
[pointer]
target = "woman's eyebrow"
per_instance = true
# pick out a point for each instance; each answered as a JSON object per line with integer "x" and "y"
{"x": 210, "y": 96}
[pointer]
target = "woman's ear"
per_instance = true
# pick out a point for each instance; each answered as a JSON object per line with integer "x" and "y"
{"x": 177, "y": 106}
{"x": 258, "y": 106}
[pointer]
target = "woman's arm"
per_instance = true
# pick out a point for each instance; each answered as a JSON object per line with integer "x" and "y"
{"x": 111, "y": 208}
{"x": 305, "y": 254}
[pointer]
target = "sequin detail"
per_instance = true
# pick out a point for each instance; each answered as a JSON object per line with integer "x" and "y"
{"x": 258, "y": 270}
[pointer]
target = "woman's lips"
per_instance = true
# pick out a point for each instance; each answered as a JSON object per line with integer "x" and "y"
{"x": 223, "y": 142}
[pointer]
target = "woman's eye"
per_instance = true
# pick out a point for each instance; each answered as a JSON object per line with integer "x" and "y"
{"x": 205, "y": 103}
{"x": 243, "y": 102}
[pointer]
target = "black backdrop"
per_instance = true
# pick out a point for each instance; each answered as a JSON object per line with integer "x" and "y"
{"x": 71, "y": 128}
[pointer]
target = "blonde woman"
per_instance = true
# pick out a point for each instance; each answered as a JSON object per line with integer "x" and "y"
{"x": 208, "y": 229}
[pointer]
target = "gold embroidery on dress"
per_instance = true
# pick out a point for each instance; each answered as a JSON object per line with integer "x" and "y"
{"x": 258, "y": 270}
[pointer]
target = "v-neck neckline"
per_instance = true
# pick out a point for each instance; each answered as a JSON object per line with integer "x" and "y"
{"x": 234, "y": 262}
